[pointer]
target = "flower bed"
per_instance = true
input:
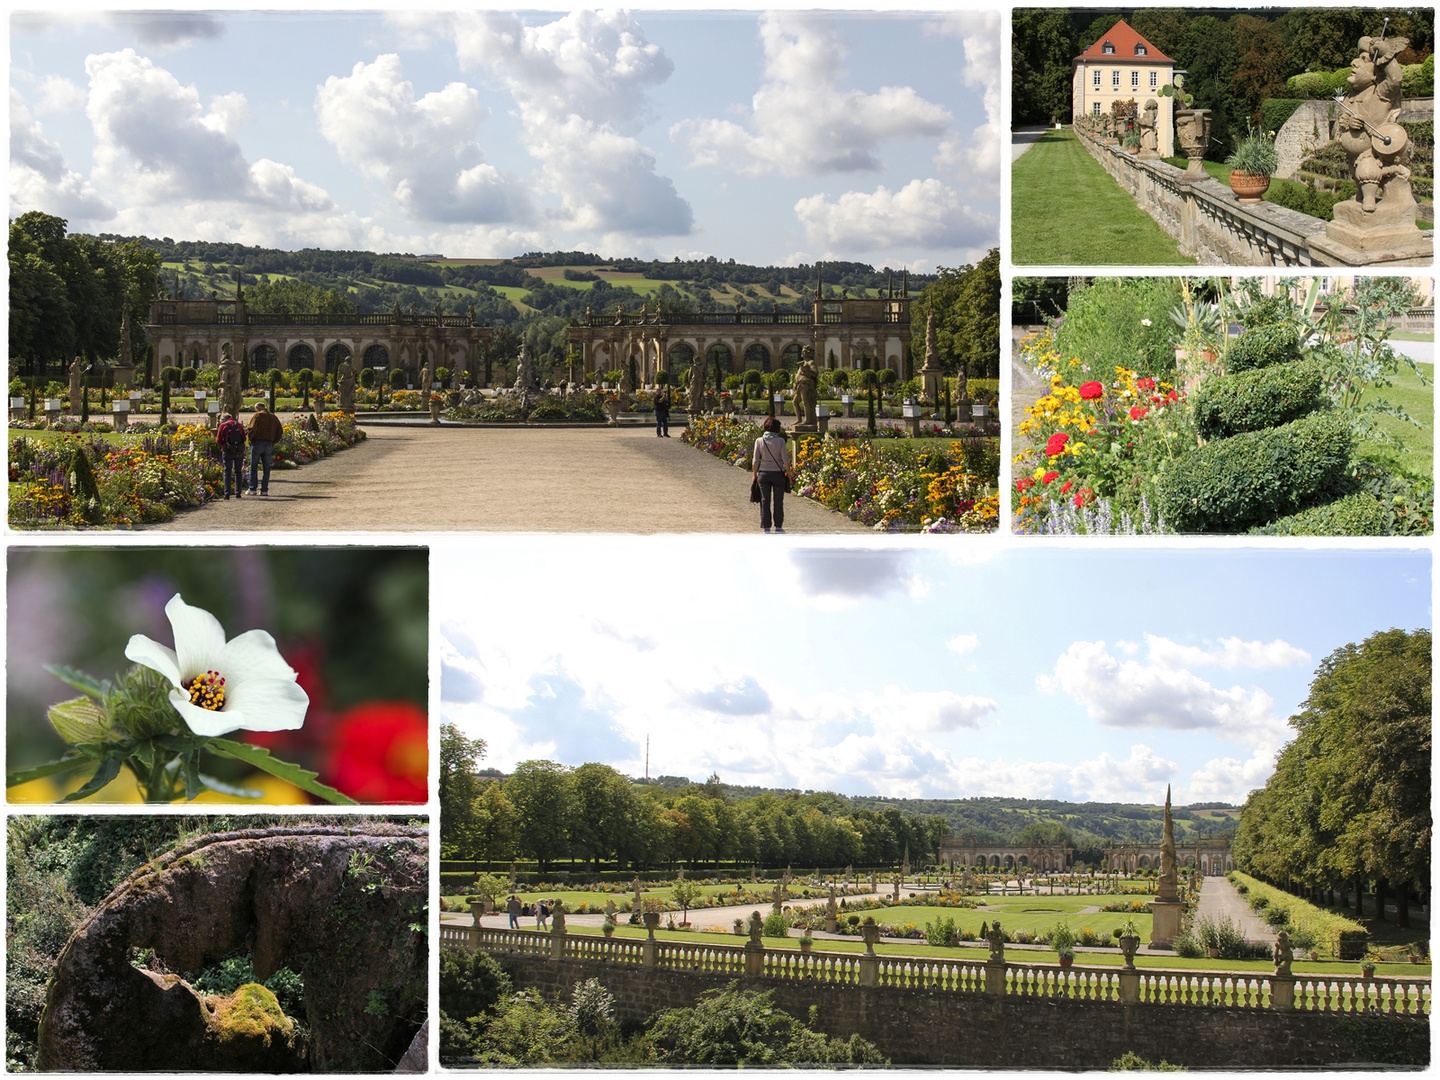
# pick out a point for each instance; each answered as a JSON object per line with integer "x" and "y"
{"x": 892, "y": 488}
{"x": 142, "y": 478}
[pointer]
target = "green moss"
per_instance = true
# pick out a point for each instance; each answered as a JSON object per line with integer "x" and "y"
{"x": 252, "y": 1012}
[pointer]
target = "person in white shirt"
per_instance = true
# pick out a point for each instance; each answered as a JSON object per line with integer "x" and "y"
{"x": 770, "y": 468}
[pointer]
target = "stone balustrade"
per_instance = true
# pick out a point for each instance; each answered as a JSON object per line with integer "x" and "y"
{"x": 1390, "y": 995}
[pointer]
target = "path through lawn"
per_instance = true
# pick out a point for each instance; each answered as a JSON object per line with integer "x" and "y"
{"x": 1066, "y": 210}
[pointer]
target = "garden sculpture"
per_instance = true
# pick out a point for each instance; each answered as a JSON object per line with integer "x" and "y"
{"x": 1149, "y": 131}
{"x": 996, "y": 938}
{"x": 346, "y": 383}
{"x": 231, "y": 398}
{"x": 806, "y": 381}
{"x": 757, "y": 927}
{"x": 697, "y": 386}
{"x": 1283, "y": 954}
{"x": 76, "y": 370}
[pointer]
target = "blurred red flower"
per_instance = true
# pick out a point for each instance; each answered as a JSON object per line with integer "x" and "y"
{"x": 1056, "y": 443}
{"x": 1138, "y": 412}
{"x": 380, "y": 753}
{"x": 1091, "y": 390}
{"x": 1049, "y": 476}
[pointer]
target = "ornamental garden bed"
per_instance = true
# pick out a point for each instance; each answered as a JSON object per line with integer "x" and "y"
{"x": 892, "y": 485}
{"x": 102, "y": 479}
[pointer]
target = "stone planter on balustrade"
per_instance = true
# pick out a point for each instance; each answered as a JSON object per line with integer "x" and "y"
{"x": 1192, "y": 126}
{"x": 1249, "y": 187}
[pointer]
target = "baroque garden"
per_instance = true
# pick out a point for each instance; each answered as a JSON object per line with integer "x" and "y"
{"x": 591, "y": 918}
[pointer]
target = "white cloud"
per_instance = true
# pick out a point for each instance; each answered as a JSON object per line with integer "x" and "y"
{"x": 1130, "y": 694}
{"x": 1139, "y": 778}
{"x": 39, "y": 177}
{"x": 1230, "y": 779}
{"x": 979, "y": 34}
{"x": 59, "y": 95}
{"x": 157, "y": 145}
{"x": 802, "y": 122}
{"x": 171, "y": 30}
{"x": 1232, "y": 653}
{"x": 580, "y": 85}
{"x": 923, "y": 212}
{"x": 421, "y": 150}
{"x": 963, "y": 643}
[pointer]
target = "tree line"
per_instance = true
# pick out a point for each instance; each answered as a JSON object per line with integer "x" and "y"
{"x": 68, "y": 293}
{"x": 1232, "y": 62}
{"x": 1349, "y": 801}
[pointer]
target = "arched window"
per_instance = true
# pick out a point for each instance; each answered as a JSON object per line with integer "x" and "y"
{"x": 301, "y": 357}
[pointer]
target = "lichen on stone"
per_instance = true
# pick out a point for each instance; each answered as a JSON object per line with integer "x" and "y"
{"x": 252, "y": 1012}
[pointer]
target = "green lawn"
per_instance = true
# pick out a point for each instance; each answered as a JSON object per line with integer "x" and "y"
{"x": 1406, "y": 391}
{"x": 1066, "y": 210}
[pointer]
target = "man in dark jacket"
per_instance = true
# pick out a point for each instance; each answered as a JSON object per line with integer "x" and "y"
{"x": 265, "y": 431}
{"x": 230, "y": 436}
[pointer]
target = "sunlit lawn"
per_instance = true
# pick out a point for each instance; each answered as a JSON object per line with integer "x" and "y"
{"x": 1418, "y": 400}
{"x": 1065, "y": 209}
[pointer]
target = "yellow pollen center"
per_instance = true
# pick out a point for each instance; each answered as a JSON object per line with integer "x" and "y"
{"x": 207, "y": 691}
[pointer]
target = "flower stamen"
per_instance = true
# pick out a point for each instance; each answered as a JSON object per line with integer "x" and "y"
{"x": 207, "y": 691}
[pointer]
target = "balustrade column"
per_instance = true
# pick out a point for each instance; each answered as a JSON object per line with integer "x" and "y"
{"x": 1130, "y": 987}
{"x": 649, "y": 956}
{"x": 1282, "y": 992}
{"x": 557, "y": 933}
{"x": 870, "y": 962}
{"x": 995, "y": 978}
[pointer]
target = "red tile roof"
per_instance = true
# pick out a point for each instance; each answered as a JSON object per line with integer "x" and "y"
{"x": 1124, "y": 39}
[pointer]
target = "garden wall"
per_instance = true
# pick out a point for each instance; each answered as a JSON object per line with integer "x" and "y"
{"x": 1309, "y": 128}
{"x": 915, "y": 1027}
{"x": 1210, "y": 224}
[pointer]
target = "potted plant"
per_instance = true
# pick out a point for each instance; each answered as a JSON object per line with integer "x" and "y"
{"x": 806, "y": 941}
{"x": 1062, "y": 940}
{"x": 1252, "y": 163}
{"x": 1367, "y": 969}
{"x": 1129, "y": 941}
{"x": 1132, "y": 143}
{"x": 608, "y": 926}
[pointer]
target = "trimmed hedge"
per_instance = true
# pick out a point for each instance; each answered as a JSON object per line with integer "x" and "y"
{"x": 1233, "y": 484}
{"x": 1252, "y": 400}
{"x": 1263, "y": 346}
{"x": 1343, "y": 938}
{"x": 1355, "y": 515}
{"x": 1275, "y": 111}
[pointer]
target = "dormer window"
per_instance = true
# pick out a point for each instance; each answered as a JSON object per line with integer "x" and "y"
{"x": 1140, "y": 50}
{"x": 1108, "y": 48}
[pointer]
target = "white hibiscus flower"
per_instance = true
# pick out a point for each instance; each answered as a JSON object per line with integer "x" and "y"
{"x": 221, "y": 686}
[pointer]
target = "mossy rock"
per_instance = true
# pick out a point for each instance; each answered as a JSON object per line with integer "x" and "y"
{"x": 252, "y": 1013}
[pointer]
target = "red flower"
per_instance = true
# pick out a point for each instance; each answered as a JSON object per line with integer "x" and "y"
{"x": 1080, "y": 498}
{"x": 1066, "y": 486}
{"x": 1049, "y": 476}
{"x": 1091, "y": 390}
{"x": 1057, "y": 443}
{"x": 1145, "y": 384}
{"x": 1024, "y": 484}
{"x": 1138, "y": 412}
{"x": 381, "y": 753}
{"x": 1174, "y": 396}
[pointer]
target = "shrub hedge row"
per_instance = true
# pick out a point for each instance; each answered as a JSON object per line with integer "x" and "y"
{"x": 1354, "y": 515}
{"x": 1343, "y": 938}
{"x": 1255, "y": 399}
{"x": 1233, "y": 484}
{"x": 1263, "y": 346}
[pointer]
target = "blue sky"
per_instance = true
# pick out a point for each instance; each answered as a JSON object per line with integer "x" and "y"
{"x": 766, "y": 137}
{"x": 1046, "y": 672}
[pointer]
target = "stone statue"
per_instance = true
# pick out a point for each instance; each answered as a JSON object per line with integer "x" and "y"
{"x": 557, "y": 916}
{"x": 524, "y": 370}
{"x": 932, "y": 375}
{"x": 1150, "y": 131}
{"x": 996, "y": 938}
{"x": 807, "y": 382}
{"x": 232, "y": 398}
{"x": 1168, "y": 878}
{"x": 627, "y": 378}
{"x": 776, "y": 903}
{"x": 124, "y": 362}
{"x": 346, "y": 383}
{"x": 439, "y": 314}
{"x": 635, "y": 884}
{"x": 1283, "y": 954}
{"x": 757, "y": 928}
{"x": 697, "y": 386}
{"x": 422, "y": 376}
{"x": 470, "y": 313}
{"x": 1378, "y": 224}
{"x": 77, "y": 371}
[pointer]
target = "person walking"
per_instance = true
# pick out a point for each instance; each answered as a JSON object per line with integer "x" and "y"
{"x": 230, "y": 436}
{"x": 512, "y": 908}
{"x": 265, "y": 431}
{"x": 770, "y": 470}
{"x": 542, "y": 912}
{"x": 662, "y": 415}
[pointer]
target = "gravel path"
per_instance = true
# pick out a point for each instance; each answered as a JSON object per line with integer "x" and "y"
{"x": 1219, "y": 900}
{"x": 421, "y": 478}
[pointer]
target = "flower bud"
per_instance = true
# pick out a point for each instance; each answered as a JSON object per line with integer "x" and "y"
{"x": 79, "y": 720}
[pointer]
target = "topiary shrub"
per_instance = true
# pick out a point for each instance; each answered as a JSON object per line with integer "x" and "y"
{"x": 1261, "y": 398}
{"x": 1249, "y": 479}
{"x": 398, "y": 378}
{"x": 1263, "y": 346}
{"x": 1355, "y": 515}
{"x": 776, "y": 925}
{"x": 1275, "y": 111}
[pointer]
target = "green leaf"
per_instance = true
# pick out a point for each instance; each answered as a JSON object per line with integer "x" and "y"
{"x": 145, "y": 751}
{"x": 107, "y": 771}
{"x": 85, "y": 683}
{"x": 260, "y": 758}
{"x": 192, "y": 775}
{"x": 50, "y": 768}
{"x": 230, "y": 789}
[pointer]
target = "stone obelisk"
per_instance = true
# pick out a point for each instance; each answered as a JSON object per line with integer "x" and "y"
{"x": 1167, "y": 905}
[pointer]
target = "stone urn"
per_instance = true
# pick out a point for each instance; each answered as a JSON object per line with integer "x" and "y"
{"x": 805, "y": 945}
{"x": 871, "y": 935}
{"x": 652, "y": 922}
{"x": 1192, "y": 126}
{"x": 1249, "y": 187}
{"x": 1128, "y": 944}
{"x": 612, "y": 408}
{"x": 1214, "y": 953}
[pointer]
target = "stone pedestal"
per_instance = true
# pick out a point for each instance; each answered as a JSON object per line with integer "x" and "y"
{"x": 52, "y": 410}
{"x": 1282, "y": 992}
{"x": 1165, "y": 925}
{"x": 1129, "y": 987}
{"x": 831, "y": 924}
{"x": 124, "y": 375}
{"x": 755, "y": 960}
{"x": 848, "y": 401}
{"x": 17, "y": 408}
{"x": 995, "y": 978}
{"x": 120, "y": 415}
{"x": 1387, "y": 234}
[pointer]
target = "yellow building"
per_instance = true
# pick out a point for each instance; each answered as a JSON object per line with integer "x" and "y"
{"x": 1123, "y": 66}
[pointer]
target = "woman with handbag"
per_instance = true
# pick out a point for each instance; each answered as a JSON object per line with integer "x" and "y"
{"x": 770, "y": 474}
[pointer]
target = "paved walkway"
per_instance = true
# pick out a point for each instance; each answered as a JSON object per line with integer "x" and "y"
{"x": 1219, "y": 900}
{"x": 512, "y": 480}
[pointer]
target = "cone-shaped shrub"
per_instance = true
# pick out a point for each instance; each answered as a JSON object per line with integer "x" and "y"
{"x": 1252, "y": 400}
